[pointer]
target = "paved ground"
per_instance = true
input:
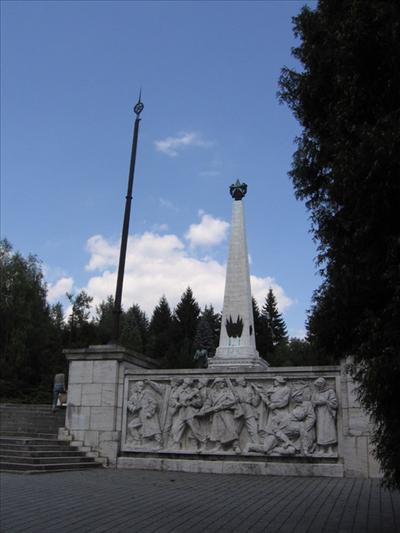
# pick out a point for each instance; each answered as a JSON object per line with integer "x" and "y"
{"x": 142, "y": 501}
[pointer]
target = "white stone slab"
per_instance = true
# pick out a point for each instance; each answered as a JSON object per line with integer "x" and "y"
{"x": 102, "y": 418}
{"x": 91, "y": 394}
{"x": 80, "y": 372}
{"x": 105, "y": 371}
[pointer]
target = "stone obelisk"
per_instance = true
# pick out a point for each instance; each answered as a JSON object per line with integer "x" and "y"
{"x": 237, "y": 346}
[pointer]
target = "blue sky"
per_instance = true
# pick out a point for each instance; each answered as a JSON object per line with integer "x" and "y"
{"x": 71, "y": 73}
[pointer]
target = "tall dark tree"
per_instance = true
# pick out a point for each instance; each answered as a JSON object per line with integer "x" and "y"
{"x": 214, "y": 322}
{"x": 104, "y": 320}
{"x": 81, "y": 330}
{"x": 26, "y": 333}
{"x": 347, "y": 170}
{"x": 273, "y": 331}
{"x": 185, "y": 319}
{"x": 160, "y": 331}
{"x": 135, "y": 329}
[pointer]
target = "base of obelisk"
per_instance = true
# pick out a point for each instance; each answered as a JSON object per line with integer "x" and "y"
{"x": 237, "y": 363}
{"x": 237, "y": 358}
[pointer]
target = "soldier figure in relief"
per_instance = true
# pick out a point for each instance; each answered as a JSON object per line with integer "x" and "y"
{"x": 248, "y": 399}
{"x": 223, "y": 406}
{"x": 145, "y": 424}
{"x": 291, "y": 433}
{"x": 173, "y": 406}
{"x": 325, "y": 404}
{"x": 276, "y": 400}
{"x": 188, "y": 403}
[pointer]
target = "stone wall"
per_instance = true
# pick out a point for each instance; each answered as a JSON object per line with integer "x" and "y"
{"x": 95, "y": 392}
{"x": 356, "y": 442}
{"x": 121, "y": 406}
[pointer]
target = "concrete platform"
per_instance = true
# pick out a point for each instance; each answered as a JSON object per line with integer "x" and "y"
{"x": 104, "y": 500}
{"x": 225, "y": 465}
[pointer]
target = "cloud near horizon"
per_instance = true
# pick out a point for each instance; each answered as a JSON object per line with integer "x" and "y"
{"x": 171, "y": 146}
{"x": 57, "y": 290}
{"x": 164, "y": 264}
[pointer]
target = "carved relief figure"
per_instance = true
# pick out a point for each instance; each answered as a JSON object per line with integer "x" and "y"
{"x": 325, "y": 404}
{"x": 223, "y": 406}
{"x": 248, "y": 399}
{"x": 144, "y": 426}
{"x": 172, "y": 405}
{"x": 276, "y": 400}
{"x": 188, "y": 404}
{"x": 291, "y": 433}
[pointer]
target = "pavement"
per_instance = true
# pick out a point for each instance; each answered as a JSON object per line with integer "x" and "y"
{"x": 146, "y": 501}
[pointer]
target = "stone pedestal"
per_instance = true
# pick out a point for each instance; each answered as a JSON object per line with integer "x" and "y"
{"x": 95, "y": 394}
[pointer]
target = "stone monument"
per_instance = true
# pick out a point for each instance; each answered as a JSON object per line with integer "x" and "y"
{"x": 237, "y": 346}
{"x": 237, "y": 416}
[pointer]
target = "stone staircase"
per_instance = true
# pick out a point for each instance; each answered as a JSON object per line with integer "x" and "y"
{"x": 29, "y": 441}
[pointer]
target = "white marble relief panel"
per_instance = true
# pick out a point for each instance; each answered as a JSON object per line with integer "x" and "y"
{"x": 272, "y": 416}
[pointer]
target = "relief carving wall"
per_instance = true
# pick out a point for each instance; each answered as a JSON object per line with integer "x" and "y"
{"x": 272, "y": 416}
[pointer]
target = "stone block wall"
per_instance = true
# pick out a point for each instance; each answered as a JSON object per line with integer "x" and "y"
{"x": 356, "y": 450}
{"x": 100, "y": 380}
{"x": 95, "y": 393}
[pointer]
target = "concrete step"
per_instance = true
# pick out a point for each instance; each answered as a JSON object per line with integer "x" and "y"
{"x": 49, "y": 467}
{"x": 31, "y": 441}
{"x": 43, "y": 453}
{"x": 37, "y": 448}
{"x": 44, "y": 460}
{"x": 46, "y": 436}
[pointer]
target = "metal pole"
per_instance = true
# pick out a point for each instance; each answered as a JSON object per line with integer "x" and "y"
{"x": 125, "y": 229}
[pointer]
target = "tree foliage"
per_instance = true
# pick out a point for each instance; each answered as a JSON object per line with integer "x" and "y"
{"x": 346, "y": 169}
{"x": 270, "y": 326}
{"x": 160, "y": 331}
{"x": 30, "y": 344}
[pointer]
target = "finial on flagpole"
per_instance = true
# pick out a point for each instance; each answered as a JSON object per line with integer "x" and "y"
{"x": 139, "y": 105}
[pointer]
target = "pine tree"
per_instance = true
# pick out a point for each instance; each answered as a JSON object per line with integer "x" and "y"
{"x": 274, "y": 331}
{"x": 346, "y": 168}
{"x": 134, "y": 329}
{"x": 185, "y": 319}
{"x": 204, "y": 339}
{"x": 160, "y": 331}
{"x": 104, "y": 320}
{"x": 27, "y": 336}
{"x": 214, "y": 321}
{"x": 80, "y": 331}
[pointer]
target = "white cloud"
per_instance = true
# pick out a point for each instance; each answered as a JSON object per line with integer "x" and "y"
{"x": 210, "y": 173}
{"x": 162, "y": 264}
{"x": 209, "y": 232}
{"x": 171, "y": 146}
{"x": 159, "y": 228}
{"x": 57, "y": 290}
{"x": 168, "y": 204}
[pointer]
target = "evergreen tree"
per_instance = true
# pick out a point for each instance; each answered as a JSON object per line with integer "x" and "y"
{"x": 273, "y": 332}
{"x": 346, "y": 168}
{"x": 80, "y": 331}
{"x": 214, "y": 322}
{"x": 104, "y": 320}
{"x": 26, "y": 333}
{"x": 135, "y": 330}
{"x": 204, "y": 338}
{"x": 185, "y": 319}
{"x": 160, "y": 331}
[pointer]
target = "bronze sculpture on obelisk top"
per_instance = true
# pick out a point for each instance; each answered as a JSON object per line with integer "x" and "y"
{"x": 237, "y": 346}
